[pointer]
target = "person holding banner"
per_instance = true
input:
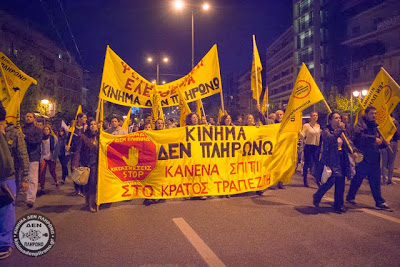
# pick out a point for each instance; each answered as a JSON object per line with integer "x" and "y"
{"x": 115, "y": 128}
{"x": 311, "y": 132}
{"x": 368, "y": 140}
{"x": 335, "y": 156}
{"x": 33, "y": 140}
{"x": 87, "y": 155}
{"x": 226, "y": 120}
{"x": 80, "y": 128}
{"x": 192, "y": 119}
{"x": 249, "y": 121}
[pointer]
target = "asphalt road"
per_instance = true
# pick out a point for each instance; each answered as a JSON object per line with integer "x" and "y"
{"x": 281, "y": 228}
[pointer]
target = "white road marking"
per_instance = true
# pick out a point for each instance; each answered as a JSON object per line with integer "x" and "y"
{"x": 371, "y": 212}
{"x": 205, "y": 252}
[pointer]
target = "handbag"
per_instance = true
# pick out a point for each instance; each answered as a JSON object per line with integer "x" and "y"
{"x": 6, "y": 196}
{"x": 80, "y": 175}
{"x": 326, "y": 173}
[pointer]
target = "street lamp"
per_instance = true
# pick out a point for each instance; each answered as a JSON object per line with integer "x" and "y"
{"x": 179, "y": 5}
{"x": 356, "y": 94}
{"x": 45, "y": 101}
{"x": 165, "y": 60}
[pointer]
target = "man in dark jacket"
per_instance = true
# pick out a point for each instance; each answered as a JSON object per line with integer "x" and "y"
{"x": 368, "y": 141}
{"x": 33, "y": 140}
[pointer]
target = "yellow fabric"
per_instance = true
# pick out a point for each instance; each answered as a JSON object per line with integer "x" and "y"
{"x": 156, "y": 111}
{"x": 305, "y": 93}
{"x": 13, "y": 85}
{"x": 13, "y": 110}
{"x": 184, "y": 109}
{"x": 220, "y": 114}
{"x": 198, "y": 108}
{"x": 72, "y": 128}
{"x": 122, "y": 85}
{"x": 186, "y": 162}
{"x": 256, "y": 68}
{"x": 125, "y": 125}
{"x": 384, "y": 95}
{"x": 264, "y": 106}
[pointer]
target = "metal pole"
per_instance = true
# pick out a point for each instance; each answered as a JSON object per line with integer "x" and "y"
{"x": 351, "y": 108}
{"x": 158, "y": 73}
{"x": 192, "y": 40}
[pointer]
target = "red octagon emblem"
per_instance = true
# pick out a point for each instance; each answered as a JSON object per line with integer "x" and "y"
{"x": 132, "y": 157}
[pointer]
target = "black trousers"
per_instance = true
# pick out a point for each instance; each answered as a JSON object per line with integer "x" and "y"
{"x": 310, "y": 158}
{"x": 339, "y": 182}
{"x": 373, "y": 174}
{"x": 64, "y": 166}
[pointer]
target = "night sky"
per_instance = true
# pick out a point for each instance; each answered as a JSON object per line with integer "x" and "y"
{"x": 138, "y": 28}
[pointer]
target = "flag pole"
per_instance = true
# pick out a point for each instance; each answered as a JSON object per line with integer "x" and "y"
{"x": 255, "y": 69}
{"x": 343, "y": 135}
{"x": 202, "y": 107}
{"x": 98, "y": 110}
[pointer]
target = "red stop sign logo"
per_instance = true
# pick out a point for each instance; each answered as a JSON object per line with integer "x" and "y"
{"x": 132, "y": 157}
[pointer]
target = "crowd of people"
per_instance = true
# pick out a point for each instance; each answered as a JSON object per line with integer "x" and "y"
{"x": 335, "y": 146}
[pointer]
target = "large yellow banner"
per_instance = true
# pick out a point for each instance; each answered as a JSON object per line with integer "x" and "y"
{"x": 384, "y": 95}
{"x": 193, "y": 161}
{"x": 123, "y": 86}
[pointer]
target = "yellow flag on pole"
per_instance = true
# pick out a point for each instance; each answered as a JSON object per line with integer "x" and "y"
{"x": 220, "y": 114}
{"x": 305, "y": 93}
{"x": 125, "y": 125}
{"x": 256, "y": 68}
{"x": 183, "y": 107}
{"x": 198, "y": 108}
{"x": 157, "y": 111}
{"x": 384, "y": 95}
{"x": 72, "y": 128}
{"x": 264, "y": 106}
{"x": 13, "y": 109}
{"x": 12, "y": 79}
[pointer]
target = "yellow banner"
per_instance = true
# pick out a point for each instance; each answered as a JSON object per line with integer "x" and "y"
{"x": 384, "y": 95}
{"x": 122, "y": 85}
{"x": 305, "y": 93}
{"x": 13, "y": 85}
{"x": 256, "y": 68}
{"x": 193, "y": 161}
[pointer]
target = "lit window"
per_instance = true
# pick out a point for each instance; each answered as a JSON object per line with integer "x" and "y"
{"x": 59, "y": 55}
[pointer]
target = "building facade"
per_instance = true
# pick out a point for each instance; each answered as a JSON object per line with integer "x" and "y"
{"x": 279, "y": 69}
{"x": 60, "y": 79}
{"x": 372, "y": 40}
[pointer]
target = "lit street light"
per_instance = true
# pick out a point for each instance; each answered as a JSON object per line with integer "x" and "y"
{"x": 356, "y": 94}
{"x": 165, "y": 60}
{"x": 45, "y": 101}
{"x": 178, "y": 4}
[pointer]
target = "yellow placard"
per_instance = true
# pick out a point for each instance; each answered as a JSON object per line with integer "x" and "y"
{"x": 193, "y": 161}
{"x": 123, "y": 86}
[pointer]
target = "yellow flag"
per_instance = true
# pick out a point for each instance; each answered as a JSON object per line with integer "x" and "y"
{"x": 125, "y": 125}
{"x": 305, "y": 93}
{"x": 220, "y": 114}
{"x": 198, "y": 108}
{"x": 183, "y": 107}
{"x": 13, "y": 109}
{"x": 384, "y": 95}
{"x": 12, "y": 79}
{"x": 72, "y": 128}
{"x": 157, "y": 111}
{"x": 256, "y": 68}
{"x": 264, "y": 106}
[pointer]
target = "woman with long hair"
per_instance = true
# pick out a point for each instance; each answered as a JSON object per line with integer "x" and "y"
{"x": 249, "y": 120}
{"x": 192, "y": 119}
{"x": 87, "y": 155}
{"x": 48, "y": 157}
{"x": 226, "y": 120}
{"x": 335, "y": 156}
{"x": 311, "y": 132}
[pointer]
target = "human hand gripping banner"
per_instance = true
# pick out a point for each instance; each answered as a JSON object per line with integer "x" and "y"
{"x": 193, "y": 161}
{"x": 122, "y": 85}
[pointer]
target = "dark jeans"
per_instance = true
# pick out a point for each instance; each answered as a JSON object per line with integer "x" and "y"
{"x": 339, "y": 182}
{"x": 373, "y": 173}
{"x": 64, "y": 165}
{"x": 310, "y": 158}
